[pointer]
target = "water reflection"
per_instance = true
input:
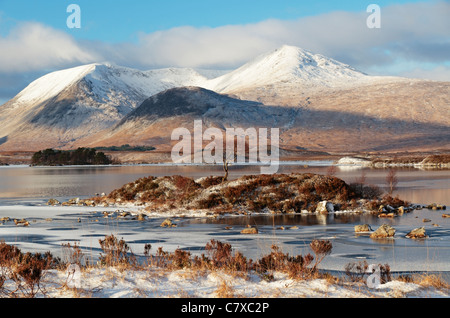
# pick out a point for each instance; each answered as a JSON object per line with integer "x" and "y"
{"x": 288, "y": 219}
{"x": 417, "y": 186}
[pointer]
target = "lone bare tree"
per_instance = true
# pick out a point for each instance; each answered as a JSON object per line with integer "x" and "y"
{"x": 391, "y": 181}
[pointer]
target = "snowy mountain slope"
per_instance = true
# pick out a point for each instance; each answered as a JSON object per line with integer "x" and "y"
{"x": 70, "y": 104}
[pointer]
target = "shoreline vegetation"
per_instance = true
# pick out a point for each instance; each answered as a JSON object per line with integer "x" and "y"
{"x": 80, "y": 156}
{"x": 220, "y": 272}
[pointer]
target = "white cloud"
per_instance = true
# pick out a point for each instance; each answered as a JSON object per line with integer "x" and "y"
{"x": 32, "y": 46}
{"x": 415, "y": 32}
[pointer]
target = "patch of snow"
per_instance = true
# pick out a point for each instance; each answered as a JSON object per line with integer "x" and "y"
{"x": 353, "y": 161}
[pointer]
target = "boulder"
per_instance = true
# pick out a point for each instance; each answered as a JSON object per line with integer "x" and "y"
{"x": 362, "y": 228}
{"x": 417, "y": 233}
{"x": 325, "y": 207}
{"x": 383, "y": 231}
{"x": 22, "y": 222}
{"x": 249, "y": 230}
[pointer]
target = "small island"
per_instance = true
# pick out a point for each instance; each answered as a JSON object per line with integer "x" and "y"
{"x": 80, "y": 156}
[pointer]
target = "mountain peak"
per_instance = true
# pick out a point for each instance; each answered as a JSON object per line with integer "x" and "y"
{"x": 287, "y": 64}
{"x": 53, "y": 83}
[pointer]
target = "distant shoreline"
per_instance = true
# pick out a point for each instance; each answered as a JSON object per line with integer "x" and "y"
{"x": 438, "y": 159}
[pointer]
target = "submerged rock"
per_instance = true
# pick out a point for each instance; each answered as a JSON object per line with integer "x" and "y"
{"x": 168, "y": 223}
{"x": 383, "y": 231}
{"x": 249, "y": 230}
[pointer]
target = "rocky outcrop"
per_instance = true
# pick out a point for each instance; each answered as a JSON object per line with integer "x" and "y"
{"x": 417, "y": 233}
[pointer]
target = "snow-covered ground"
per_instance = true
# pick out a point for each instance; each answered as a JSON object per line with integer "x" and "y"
{"x": 159, "y": 283}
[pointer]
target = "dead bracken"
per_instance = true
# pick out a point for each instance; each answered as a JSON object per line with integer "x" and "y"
{"x": 279, "y": 193}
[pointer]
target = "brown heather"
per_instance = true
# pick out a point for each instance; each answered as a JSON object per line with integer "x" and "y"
{"x": 280, "y": 193}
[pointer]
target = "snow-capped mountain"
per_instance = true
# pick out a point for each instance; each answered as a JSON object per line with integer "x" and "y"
{"x": 66, "y": 105}
{"x": 330, "y": 105}
{"x": 287, "y": 64}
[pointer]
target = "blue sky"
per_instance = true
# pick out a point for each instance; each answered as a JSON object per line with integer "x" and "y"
{"x": 120, "y": 20}
{"x": 413, "y": 41}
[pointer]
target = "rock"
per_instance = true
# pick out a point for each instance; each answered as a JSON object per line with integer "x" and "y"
{"x": 73, "y": 201}
{"x": 401, "y": 210}
{"x": 426, "y": 220}
{"x": 383, "y": 231}
{"x": 386, "y": 215}
{"x": 435, "y": 207}
{"x": 168, "y": 223}
{"x": 123, "y": 214}
{"x": 446, "y": 215}
{"x": 362, "y": 228}
{"x": 417, "y": 233}
{"x": 141, "y": 217}
{"x": 249, "y": 230}
{"x": 22, "y": 222}
{"x": 5, "y": 219}
{"x": 53, "y": 202}
{"x": 325, "y": 207}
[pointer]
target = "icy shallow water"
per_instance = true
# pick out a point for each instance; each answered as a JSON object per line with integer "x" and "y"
{"x": 50, "y": 227}
{"x": 24, "y": 192}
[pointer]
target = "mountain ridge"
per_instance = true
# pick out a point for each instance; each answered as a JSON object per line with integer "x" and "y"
{"x": 64, "y": 108}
